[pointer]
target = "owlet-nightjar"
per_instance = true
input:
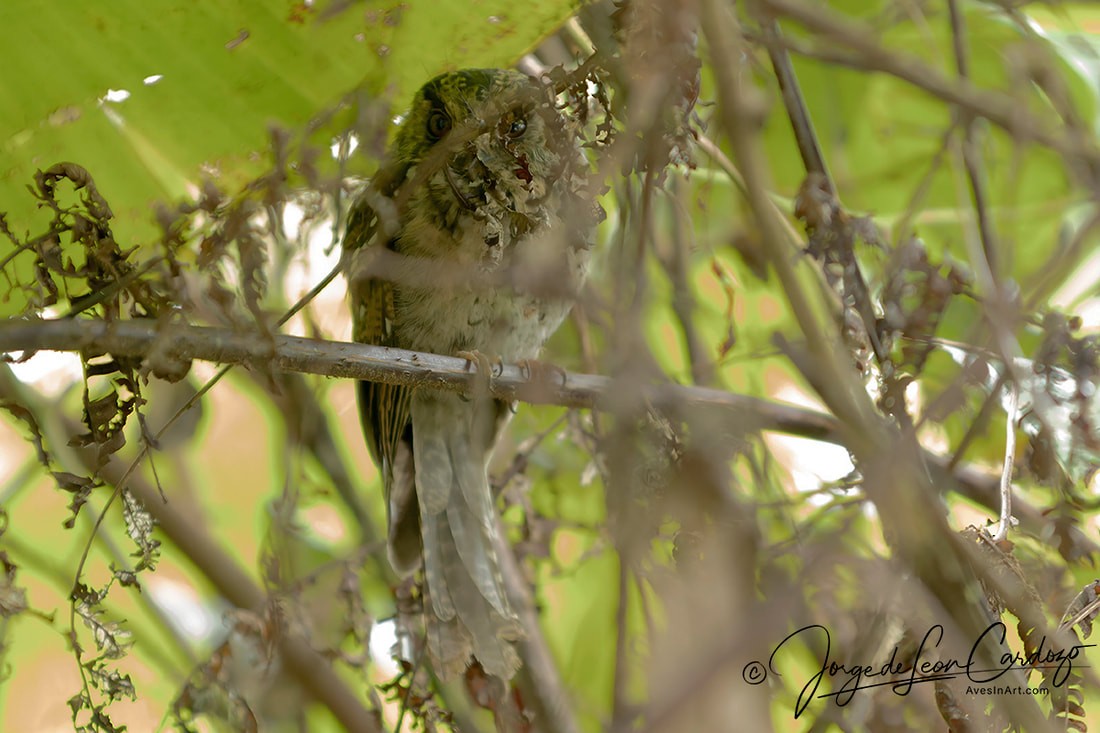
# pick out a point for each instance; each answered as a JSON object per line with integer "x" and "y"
{"x": 474, "y": 236}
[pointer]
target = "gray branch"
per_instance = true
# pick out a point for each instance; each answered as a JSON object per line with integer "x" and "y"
{"x": 168, "y": 347}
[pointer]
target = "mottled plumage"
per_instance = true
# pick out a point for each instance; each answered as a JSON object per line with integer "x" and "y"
{"x": 484, "y": 197}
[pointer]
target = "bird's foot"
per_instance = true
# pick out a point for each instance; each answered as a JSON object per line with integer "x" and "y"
{"x": 487, "y": 368}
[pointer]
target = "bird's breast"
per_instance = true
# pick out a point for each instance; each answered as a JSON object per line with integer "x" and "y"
{"x": 498, "y": 293}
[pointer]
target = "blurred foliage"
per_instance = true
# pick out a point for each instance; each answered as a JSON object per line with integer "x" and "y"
{"x": 155, "y": 97}
{"x": 212, "y": 194}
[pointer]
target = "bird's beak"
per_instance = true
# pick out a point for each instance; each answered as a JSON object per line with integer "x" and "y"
{"x": 449, "y": 174}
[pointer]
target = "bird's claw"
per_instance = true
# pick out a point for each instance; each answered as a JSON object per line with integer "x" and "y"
{"x": 485, "y": 364}
{"x": 487, "y": 368}
{"x": 534, "y": 370}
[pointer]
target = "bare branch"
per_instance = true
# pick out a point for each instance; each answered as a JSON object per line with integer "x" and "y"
{"x": 181, "y": 342}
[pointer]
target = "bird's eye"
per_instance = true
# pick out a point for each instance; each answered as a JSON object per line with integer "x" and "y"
{"x": 439, "y": 123}
{"x": 514, "y": 128}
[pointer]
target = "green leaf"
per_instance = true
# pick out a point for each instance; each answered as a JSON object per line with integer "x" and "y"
{"x": 205, "y": 81}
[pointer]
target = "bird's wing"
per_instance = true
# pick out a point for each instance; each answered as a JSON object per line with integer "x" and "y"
{"x": 383, "y": 408}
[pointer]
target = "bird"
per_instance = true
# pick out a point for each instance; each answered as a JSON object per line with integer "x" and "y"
{"x": 473, "y": 238}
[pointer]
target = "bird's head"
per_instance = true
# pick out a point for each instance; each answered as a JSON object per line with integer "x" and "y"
{"x": 481, "y": 138}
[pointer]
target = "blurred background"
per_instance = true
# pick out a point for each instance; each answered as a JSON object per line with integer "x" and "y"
{"x": 885, "y": 303}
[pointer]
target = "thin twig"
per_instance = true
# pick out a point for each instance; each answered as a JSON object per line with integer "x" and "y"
{"x": 620, "y": 705}
{"x": 676, "y": 267}
{"x": 801, "y": 122}
{"x": 1011, "y": 418}
{"x": 988, "y": 265}
{"x": 862, "y": 46}
{"x": 538, "y": 677}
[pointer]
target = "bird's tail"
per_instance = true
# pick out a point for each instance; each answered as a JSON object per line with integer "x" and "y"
{"x": 466, "y": 610}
